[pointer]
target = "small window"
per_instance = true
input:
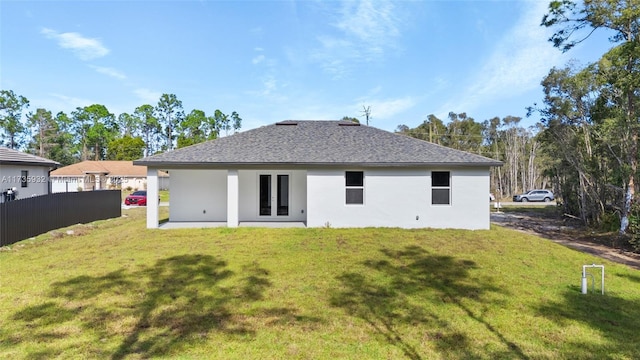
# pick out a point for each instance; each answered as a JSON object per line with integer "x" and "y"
{"x": 440, "y": 188}
{"x": 354, "y": 181}
{"x": 23, "y": 178}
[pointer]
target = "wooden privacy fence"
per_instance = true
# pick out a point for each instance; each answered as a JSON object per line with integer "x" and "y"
{"x": 25, "y": 218}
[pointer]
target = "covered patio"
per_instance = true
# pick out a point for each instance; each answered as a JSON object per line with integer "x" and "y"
{"x": 214, "y": 197}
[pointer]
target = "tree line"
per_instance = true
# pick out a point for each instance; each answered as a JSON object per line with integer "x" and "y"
{"x": 503, "y": 139}
{"x": 94, "y": 133}
{"x": 586, "y": 145}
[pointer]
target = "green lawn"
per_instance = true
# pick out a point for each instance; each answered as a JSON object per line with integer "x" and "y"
{"x": 116, "y": 290}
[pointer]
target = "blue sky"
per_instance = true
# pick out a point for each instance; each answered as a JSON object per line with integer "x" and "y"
{"x": 278, "y": 60}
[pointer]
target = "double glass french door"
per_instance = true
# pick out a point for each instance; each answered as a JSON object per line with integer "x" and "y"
{"x": 273, "y": 195}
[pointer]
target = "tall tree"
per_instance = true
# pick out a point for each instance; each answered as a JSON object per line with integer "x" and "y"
{"x": 64, "y": 147}
{"x": 622, "y": 17}
{"x": 95, "y": 127}
{"x": 193, "y": 129}
{"x": 491, "y": 134}
{"x": 170, "y": 114}
{"x": 211, "y": 127}
{"x": 125, "y": 148}
{"x": 11, "y": 107}
{"x": 432, "y": 129}
{"x": 225, "y": 122}
{"x": 45, "y": 130}
{"x": 151, "y": 130}
{"x": 464, "y": 133}
{"x": 129, "y": 125}
{"x": 236, "y": 122}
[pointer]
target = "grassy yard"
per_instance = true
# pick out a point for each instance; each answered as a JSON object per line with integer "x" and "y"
{"x": 116, "y": 290}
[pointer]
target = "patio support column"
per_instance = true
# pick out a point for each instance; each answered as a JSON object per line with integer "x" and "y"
{"x": 232, "y": 198}
{"x": 152, "y": 198}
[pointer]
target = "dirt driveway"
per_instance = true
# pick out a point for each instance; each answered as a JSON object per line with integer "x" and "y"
{"x": 568, "y": 232}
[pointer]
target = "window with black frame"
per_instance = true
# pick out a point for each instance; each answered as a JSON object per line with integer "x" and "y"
{"x": 440, "y": 188}
{"x": 354, "y": 183}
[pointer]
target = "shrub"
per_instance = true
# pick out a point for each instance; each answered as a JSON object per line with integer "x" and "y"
{"x": 610, "y": 222}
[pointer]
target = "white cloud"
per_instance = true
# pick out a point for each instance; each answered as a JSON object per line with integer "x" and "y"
{"x": 517, "y": 65}
{"x": 372, "y": 23}
{"x": 258, "y": 59}
{"x": 367, "y": 30}
{"x": 109, "y": 72}
{"x": 83, "y": 47}
{"x": 148, "y": 96}
{"x": 270, "y": 89}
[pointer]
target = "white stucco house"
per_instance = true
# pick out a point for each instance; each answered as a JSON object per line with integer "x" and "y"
{"x": 29, "y": 174}
{"x": 322, "y": 173}
{"x": 103, "y": 174}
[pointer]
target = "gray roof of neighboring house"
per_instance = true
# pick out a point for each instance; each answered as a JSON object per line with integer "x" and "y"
{"x": 316, "y": 143}
{"x": 15, "y": 157}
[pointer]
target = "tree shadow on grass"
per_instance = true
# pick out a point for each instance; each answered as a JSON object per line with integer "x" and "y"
{"x": 153, "y": 311}
{"x": 615, "y": 320}
{"x": 631, "y": 277}
{"x": 405, "y": 287}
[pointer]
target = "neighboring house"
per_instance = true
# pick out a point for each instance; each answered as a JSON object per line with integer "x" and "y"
{"x": 99, "y": 175}
{"x": 29, "y": 174}
{"x": 322, "y": 173}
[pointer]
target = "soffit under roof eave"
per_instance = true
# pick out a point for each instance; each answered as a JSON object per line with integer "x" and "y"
{"x": 29, "y": 163}
{"x": 203, "y": 165}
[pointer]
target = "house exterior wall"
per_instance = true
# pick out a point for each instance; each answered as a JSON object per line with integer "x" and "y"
{"x": 66, "y": 183}
{"x": 37, "y": 180}
{"x": 198, "y": 195}
{"x": 79, "y": 183}
{"x": 398, "y": 198}
{"x": 248, "y": 200}
{"x": 137, "y": 183}
{"x": 71, "y": 183}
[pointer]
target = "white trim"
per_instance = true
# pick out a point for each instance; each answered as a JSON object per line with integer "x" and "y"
{"x": 232, "y": 198}
{"x": 153, "y": 216}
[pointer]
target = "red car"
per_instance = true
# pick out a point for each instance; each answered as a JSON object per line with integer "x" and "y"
{"x": 137, "y": 198}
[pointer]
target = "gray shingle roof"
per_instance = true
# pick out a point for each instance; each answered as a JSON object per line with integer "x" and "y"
{"x": 316, "y": 143}
{"x": 10, "y": 157}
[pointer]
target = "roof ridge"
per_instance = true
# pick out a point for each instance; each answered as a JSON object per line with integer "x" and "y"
{"x": 317, "y": 142}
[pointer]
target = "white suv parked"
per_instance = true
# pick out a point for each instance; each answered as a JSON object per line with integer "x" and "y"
{"x": 534, "y": 195}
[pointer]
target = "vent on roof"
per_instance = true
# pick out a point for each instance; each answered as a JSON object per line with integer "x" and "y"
{"x": 348, "y": 123}
{"x": 287, "y": 122}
